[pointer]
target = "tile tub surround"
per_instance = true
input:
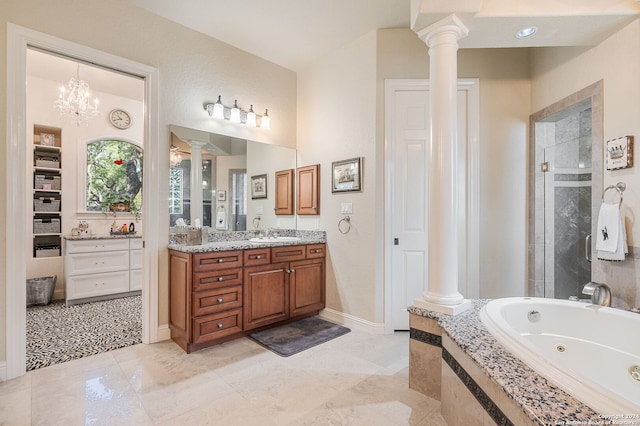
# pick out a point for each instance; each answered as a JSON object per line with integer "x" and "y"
{"x": 487, "y": 368}
{"x": 239, "y": 240}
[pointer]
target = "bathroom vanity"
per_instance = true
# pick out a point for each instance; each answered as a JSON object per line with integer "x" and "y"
{"x": 102, "y": 267}
{"x": 222, "y": 291}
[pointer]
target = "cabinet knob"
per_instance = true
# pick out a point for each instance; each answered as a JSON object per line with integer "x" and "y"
{"x": 220, "y": 260}
{"x": 219, "y": 299}
{"x": 220, "y": 278}
{"x": 292, "y": 270}
{"x": 220, "y": 325}
{"x": 258, "y": 257}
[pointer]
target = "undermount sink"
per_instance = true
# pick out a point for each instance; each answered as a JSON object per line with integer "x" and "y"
{"x": 263, "y": 240}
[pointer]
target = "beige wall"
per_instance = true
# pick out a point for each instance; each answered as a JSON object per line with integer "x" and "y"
{"x": 193, "y": 69}
{"x": 339, "y": 118}
{"x": 560, "y": 72}
{"x": 337, "y": 121}
{"x": 504, "y": 114}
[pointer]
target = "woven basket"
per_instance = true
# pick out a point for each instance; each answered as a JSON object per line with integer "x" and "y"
{"x": 40, "y": 290}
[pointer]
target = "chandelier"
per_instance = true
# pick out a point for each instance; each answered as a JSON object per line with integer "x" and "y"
{"x": 174, "y": 156}
{"x": 75, "y": 102}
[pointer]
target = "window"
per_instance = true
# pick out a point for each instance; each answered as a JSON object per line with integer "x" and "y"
{"x": 114, "y": 176}
{"x": 176, "y": 179}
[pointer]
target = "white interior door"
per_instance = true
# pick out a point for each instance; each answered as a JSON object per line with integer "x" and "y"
{"x": 409, "y": 208}
{"x": 407, "y": 138}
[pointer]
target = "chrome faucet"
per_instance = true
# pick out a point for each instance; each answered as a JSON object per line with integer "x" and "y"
{"x": 600, "y": 293}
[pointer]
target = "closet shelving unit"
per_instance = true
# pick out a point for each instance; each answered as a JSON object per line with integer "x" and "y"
{"x": 47, "y": 193}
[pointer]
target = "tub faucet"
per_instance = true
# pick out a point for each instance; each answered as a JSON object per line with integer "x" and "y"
{"x": 600, "y": 293}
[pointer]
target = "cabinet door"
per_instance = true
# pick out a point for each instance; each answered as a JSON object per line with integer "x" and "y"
{"x": 284, "y": 192}
{"x": 308, "y": 194}
{"x": 307, "y": 286}
{"x": 266, "y": 295}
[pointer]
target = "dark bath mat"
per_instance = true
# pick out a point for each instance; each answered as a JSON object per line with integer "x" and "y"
{"x": 298, "y": 336}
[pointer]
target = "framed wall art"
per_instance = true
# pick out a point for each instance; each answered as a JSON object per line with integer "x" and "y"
{"x": 258, "y": 187}
{"x": 347, "y": 175}
{"x": 222, "y": 195}
{"x": 619, "y": 153}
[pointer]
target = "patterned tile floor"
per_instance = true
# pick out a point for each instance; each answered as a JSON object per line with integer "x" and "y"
{"x": 355, "y": 379}
{"x": 58, "y": 333}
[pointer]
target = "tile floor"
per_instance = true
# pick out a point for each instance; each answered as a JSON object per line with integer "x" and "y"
{"x": 356, "y": 379}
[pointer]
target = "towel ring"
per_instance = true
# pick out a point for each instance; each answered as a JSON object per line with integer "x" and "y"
{"x": 256, "y": 222}
{"x": 620, "y": 187}
{"x": 347, "y": 221}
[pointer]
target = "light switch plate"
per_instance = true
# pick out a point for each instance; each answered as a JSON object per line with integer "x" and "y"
{"x": 259, "y": 210}
{"x": 346, "y": 208}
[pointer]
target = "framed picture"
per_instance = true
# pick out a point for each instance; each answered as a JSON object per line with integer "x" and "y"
{"x": 222, "y": 195}
{"x": 47, "y": 139}
{"x": 619, "y": 153}
{"x": 347, "y": 175}
{"x": 258, "y": 186}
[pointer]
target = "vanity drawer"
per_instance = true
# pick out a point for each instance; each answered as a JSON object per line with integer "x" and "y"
{"x": 136, "y": 243}
{"x": 288, "y": 253}
{"x": 217, "y": 300}
{"x": 316, "y": 250}
{"x": 215, "y": 326}
{"x": 93, "y": 245}
{"x": 217, "y": 279}
{"x": 92, "y": 285}
{"x": 261, "y": 256}
{"x": 205, "y": 262}
{"x": 93, "y": 263}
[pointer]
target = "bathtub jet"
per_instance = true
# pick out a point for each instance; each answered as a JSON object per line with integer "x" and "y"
{"x": 561, "y": 340}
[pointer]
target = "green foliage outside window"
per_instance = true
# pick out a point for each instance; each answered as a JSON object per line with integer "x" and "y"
{"x": 114, "y": 175}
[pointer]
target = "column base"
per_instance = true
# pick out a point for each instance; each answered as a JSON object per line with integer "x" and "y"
{"x": 443, "y": 309}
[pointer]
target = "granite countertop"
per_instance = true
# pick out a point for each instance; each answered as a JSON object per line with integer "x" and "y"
{"x": 227, "y": 241}
{"x": 100, "y": 237}
{"x": 542, "y": 401}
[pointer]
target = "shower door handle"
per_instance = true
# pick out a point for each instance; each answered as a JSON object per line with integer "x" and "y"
{"x": 587, "y": 247}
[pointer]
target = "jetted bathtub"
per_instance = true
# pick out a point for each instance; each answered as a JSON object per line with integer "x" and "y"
{"x": 590, "y": 351}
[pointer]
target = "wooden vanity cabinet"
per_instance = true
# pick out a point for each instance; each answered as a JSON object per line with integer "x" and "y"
{"x": 284, "y": 192}
{"x": 220, "y": 296}
{"x": 205, "y": 291}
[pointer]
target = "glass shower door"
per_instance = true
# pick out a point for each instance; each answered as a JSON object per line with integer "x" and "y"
{"x": 567, "y": 217}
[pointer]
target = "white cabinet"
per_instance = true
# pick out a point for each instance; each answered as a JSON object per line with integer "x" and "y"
{"x": 100, "y": 268}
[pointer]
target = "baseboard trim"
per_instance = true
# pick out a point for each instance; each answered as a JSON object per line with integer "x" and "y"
{"x": 352, "y": 321}
{"x": 164, "y": 333}
{"x": 3, "y": 371}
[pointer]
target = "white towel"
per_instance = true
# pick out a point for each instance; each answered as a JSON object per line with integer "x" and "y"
{"x": 608, "y": 227}
{"x": 611, "y": 240}
{"x": 221, "y": 220}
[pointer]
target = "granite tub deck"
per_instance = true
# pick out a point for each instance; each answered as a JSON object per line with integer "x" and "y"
{"x": 506, "y": 389}
{"x": 239, "y": 240}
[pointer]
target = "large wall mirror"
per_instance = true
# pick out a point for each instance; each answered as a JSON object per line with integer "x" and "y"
{"x": 233, "y": 189}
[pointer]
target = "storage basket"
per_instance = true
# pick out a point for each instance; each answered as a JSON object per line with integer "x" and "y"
{"x": 46, "y": 205}
{"x": 46, "y": 226}
{"x": 40, "y": 290}
{"x": 48, "y": 159}
{"x": 47, "y": 182}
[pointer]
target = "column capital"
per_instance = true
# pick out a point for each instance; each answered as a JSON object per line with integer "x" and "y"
{"x": 196, "y": 144}
{"x": 449, "y": 25}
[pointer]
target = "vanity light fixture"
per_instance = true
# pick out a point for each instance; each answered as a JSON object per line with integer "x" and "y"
{"x": 237, "y": 115}
{"x": 527, "y": 32}
{"x": 266, "y": 121}
{"x": 251, "y": 117}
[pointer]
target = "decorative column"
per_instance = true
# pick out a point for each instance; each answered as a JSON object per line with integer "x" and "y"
{"x": 196, "y": 183}
{"x": 441, "y": 294}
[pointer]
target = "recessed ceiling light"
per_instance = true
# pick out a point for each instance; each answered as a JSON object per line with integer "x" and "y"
{"x": 526, "y": 32}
